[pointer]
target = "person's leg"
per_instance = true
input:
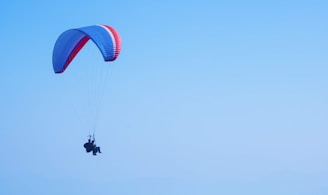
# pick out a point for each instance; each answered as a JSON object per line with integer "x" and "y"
{"x": 98, "y": 149}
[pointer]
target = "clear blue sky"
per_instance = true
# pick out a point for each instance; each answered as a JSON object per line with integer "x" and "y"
{"x": 206, "y": 97}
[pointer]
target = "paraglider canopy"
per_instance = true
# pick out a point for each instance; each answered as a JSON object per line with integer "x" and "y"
{"x": 72, "y": 41}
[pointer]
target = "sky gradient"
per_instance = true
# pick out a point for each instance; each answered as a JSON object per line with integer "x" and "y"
{"x": 206, "y": 97}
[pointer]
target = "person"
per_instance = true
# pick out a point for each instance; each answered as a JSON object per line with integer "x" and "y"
{"x": 91, "y": 146}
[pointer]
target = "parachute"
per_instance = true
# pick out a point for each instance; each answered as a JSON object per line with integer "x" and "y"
{"x": 69, "y": 44}
{"x": 72, "y": 41}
